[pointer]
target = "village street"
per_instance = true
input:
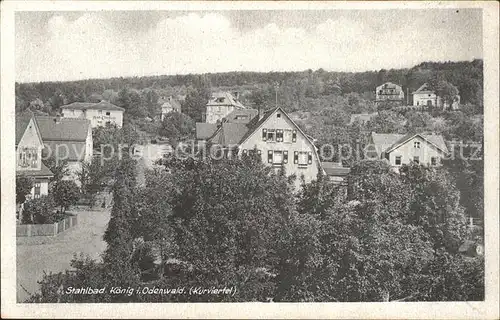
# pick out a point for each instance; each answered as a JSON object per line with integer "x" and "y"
{"x": 53, "y": 254}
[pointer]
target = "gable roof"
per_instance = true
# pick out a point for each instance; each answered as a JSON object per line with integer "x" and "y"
{"x": 224, "y": 99}
{"x": 66, "y": 150}
{"x": 205, "y": 130}
{"x": 229, "y": 134}
{"x": 22, "y": 122}
{"x": 66, "y": 129}
{"x": 43, "y": 172}
{"x": 103, "y": 105}
{"x": 424, "y": 89}
{"x": 389, "y": 85}
{"x": 387, "y": 142}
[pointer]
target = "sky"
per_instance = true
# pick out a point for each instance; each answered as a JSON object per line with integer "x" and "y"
{"x": 61, "y": 46}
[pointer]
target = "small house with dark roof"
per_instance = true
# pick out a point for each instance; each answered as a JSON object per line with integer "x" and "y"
{"x": 67, "y": 139}
{"x": 29, "y": 145}
{"x": 272, "y": 135}
{"x": 336, "y": 172}
{"x": 220, "y": 105}
{"x": 99, "y": 114}
{"x": 398, "y": 149}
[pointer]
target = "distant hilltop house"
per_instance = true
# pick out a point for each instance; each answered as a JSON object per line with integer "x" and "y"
{"x": 398, "y": 149}
{"x": 29, "y": 145}
{"x": 99, "y": 114}
{"x": 362, "y": 117}
{"x": 425, "y": 96}
{"x": 169, "y": 104}
{"x": 271, "y": 135}
{"x": 220, "y": 105}
{"x": 67, "y": 139}
{"x": 389, "y": 92}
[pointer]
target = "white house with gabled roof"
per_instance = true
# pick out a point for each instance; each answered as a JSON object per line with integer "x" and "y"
{"x": 274, "y": 136}
{"x": 99, "y": 114}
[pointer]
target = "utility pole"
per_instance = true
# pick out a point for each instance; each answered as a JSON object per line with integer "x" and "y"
{"x": 276, "y": 86}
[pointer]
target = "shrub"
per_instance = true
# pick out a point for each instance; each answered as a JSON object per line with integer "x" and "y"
{"x": 40, "y": 211}
{"x": 66, "y": 194}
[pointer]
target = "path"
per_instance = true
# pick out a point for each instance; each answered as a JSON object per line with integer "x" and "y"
{"x": 53, "y": 254}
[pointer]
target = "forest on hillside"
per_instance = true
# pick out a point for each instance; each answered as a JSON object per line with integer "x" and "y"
{"x": 296, "y": 90}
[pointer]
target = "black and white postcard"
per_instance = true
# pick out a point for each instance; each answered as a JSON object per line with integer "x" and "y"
{"x": 266, "y": 159}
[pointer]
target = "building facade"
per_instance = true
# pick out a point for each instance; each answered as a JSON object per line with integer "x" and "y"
{"x": 29, "y": 145}
{"x": 220, "y": 105}
{"x": 274, "y": 137}
{"x": 425, "y": 96}
{"x": 389, "y": 92}
{"x": 68, "y": 140}
{"x": 399, "y": 149}
{"x": 99, "y": 114}
{"x": 169, "y": 104}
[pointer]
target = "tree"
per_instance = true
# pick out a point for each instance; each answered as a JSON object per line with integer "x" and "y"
{"x": 446, "y": 91}
{"x": 65, "y": 194}
{"x": 39, "y": 211}
{"x": 59, "y": 167}
{"x": 24, "y": 184}
{"x": 387, "y": 122}
{"x": 435, "y": 205}
{"x": 195, "y": 102}
{"x": 93, "y": 178}
{"x": 176, "y": 125}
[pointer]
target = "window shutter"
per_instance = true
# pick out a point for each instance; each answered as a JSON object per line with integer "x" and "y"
{"x": 270, "y": 156}
{"x": 310, "y": 159}
{"x": 285, "y": 156}
{"x": 264, "y": 134}
{"x": 294, "y": 135}
{"x": 296, "y": 157}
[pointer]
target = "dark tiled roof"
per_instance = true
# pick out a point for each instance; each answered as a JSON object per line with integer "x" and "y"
{"x": 43, "y": 172}
{"x": 241, "y": 115}
{"x": 205, "y": 130}
{"x": 103, "y": 105}
{"x": 70, "y": 150}
{"x": 335, "y": 169}
{"x": 229, "y": 134}
{"x": 255, "y": 123}
{"x": 66, "y": 129}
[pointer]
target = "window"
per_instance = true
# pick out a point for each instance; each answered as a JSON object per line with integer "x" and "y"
{"x": 300, "y": 158}
{"x": 278, "y": 157}
{"x": 294, "y": 135}
{"x": 418, "y": 103}
{"x": 433, "y": 161}
{"x": 270, "y": 136}
{"x": 416, "y": 144}
{"x": 279, "y": 135}
{"x": 108, "y": 113}
{"x": 416, "y": 160}
{"x": 37, "y": 189}
{"x": 278, "y": 115}
{"x": 398, "y": 160}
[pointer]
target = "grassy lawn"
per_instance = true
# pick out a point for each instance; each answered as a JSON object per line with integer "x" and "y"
{"x": 53, "y": 254}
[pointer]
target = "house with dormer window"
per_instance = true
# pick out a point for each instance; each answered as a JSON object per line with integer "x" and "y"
{"x": 272, "y": 135}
